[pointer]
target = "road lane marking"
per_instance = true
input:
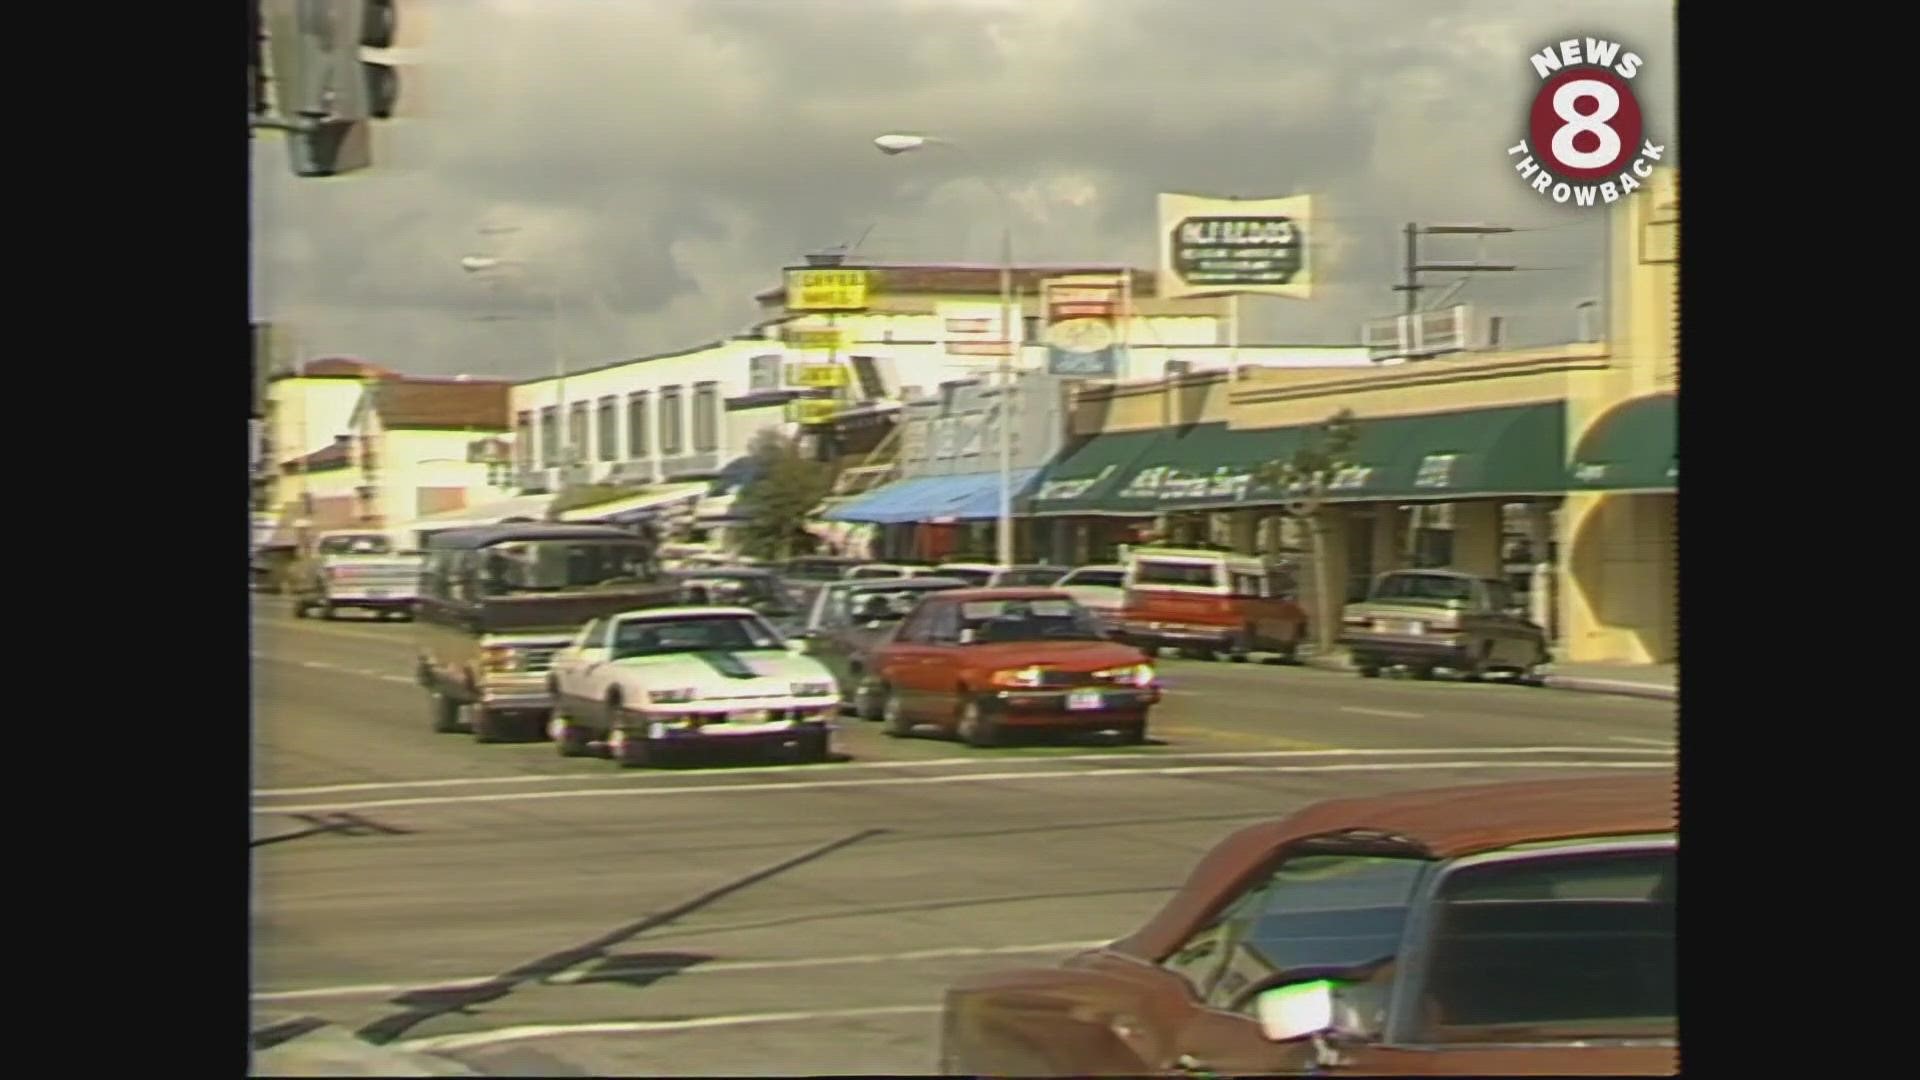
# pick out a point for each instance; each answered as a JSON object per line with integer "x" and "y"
{"x": 1198, "y": 755}
{"x": 1641, "y": 742}
{"x": 1391, "y": 714}
{"x": 473, "y": 1039}
{"x": 965, "y": 778}
{"x": 716, "y": 967}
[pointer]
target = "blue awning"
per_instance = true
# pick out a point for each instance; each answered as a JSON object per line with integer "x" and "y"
{"x": 962, "y": 497}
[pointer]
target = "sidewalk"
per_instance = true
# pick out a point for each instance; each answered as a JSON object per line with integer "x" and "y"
{"x": 1659, "y": 681}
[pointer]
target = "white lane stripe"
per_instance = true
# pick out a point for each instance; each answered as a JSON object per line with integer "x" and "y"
{"x": 964, "y": 778}
{"x": 315, "y": 664}
{"x": 1392, "y": 714}
{"x": 635, "y": 1027}
{"x": 719, "y": 967}
{"x": 1642, "y": 742}
{"x": 547, "y": 778}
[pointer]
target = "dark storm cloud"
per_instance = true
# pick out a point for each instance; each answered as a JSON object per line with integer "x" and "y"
{"x": 660, "y": 161}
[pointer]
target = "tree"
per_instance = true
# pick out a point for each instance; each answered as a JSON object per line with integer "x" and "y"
{"x": 784, "y": 489}
{"x": 1305, "y": 477}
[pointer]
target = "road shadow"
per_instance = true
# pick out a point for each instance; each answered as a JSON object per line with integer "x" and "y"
{"x": 338, "y": 824}
{"x": 642, "y": 969}
{"x": 419, "y": 1006}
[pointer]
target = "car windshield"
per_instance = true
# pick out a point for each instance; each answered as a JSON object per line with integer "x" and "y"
{"x": 1109, "y": 579}
{"x": 762, "y": 593}
{"x": 988, "y": 621}
{"x": 538, "y": 566}
{"x": 880, "y": 605}
{"x": 356, "y": 545}
{"x": 692, "y": 633}
{"x": 973, "y": 575}
{"x": 1424, "y": 588}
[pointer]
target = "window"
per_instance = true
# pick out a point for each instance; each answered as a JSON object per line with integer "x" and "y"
{"x": 1204, "y": 575}
{"x": 1573, "y": 946}
{"x": 549, "y": 436}
{"x": 984, "y": 621}
{"x": 577, "y": 444}
{"x": 1425, "y": 588}
{"x": 706, "y": 417}
{"x": 639, "y": 444}
{"x": 608, "y": 432}
{"x": 1248, "y": 584}
{"x": 523, "y": 439}
{"x": 670, "y": 421}
{"x": 545, "y": 566}
{"x": 1314, "y": 911}
{"x": 591, "y": 635}
{"x": 865, "y": 369}
{"x": 1110, "y": 579}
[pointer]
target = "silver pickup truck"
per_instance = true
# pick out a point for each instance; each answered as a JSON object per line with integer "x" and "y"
{"x": 355, "y": 569}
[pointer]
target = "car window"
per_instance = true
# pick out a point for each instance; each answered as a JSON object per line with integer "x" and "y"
{"x": 590, "y": 635}
{"x": 1149, "y": 572}
{"x": 1312, "y": 912}
{"x": 1430, "y": 588}
{"x": 697, "y": 633}
{"x": 971, "y": 575}
{"x": 1573, "y": 946}
{"x": 917, "y": 629}
{"x": 1045, "y": 619}
{"x": 1031, "y": 576}
{"x": 1104, "y": 578}
{"x": 1248, "y": 584}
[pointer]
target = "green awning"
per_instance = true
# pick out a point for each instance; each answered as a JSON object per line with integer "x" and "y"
{"x": 1633, "y": 446}
{"x": 1511, "y": 450}
{"x": 1082, "y": 478}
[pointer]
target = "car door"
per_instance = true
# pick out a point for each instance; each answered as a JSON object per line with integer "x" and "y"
{"x": 1514, "y": 638}
{"x": 903, "y": 661}
{"x": 568, "y": 662}
{"x": 828, "y": 639}
{"x": 595, "y": 671}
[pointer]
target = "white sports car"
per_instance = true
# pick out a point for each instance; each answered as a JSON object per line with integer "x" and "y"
{"x": 646, "y": 684}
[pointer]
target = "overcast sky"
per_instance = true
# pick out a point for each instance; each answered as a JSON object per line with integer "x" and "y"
{"x": 661, "y": 160}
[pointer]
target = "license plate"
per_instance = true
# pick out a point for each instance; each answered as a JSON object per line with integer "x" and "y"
{"x": 754, "y": 716}
{"x": 1081, "y": 700}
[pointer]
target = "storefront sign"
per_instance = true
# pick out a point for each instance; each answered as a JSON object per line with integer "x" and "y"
{"x": 1167, "y": 484}
{"x": 1082, "y": 325}
{"x": 1436, "y": 471}
{"x": 837, "y": 289}
{"x": 1218, "y": 247}
{"x": 973, "y": 330}
{"x": 1053, "y": 490}
{"x": 811, "y": 410}
{"x": 826, "y": 340}
{"x": 817, "y": 376}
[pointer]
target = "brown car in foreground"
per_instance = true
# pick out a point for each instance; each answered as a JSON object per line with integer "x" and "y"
{"x": 977, "y": 662}
{"x": 1501, "y": 929}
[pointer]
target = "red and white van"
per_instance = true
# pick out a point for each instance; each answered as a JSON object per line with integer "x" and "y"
{"x": 1209, "y": 603}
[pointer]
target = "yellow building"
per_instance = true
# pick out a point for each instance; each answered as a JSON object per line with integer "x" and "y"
{"x": 1553, "y": 467}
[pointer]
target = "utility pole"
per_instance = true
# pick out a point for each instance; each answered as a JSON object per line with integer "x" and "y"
{"x": 1414, "y": 267}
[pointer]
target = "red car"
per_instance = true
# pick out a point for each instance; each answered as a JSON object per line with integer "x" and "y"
{"x": 977, "y": 662}
{"x": 1516, "y": 929}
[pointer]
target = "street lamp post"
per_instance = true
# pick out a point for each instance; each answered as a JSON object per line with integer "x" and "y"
{"x": 900, "y": 144}
{"x": 479, "y": 264}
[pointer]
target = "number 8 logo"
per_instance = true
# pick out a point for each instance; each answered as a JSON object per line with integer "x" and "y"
{"x": 1575, "y": 123}
{"x": 1582, "y": 146}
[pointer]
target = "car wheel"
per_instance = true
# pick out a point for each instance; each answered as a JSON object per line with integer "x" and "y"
{"x": 1133, "y": 734}
{"x": 1151, "y": 652}
{"x": 569, "y": 738}
{"x": 300, "y": 609}
{"x": 974, "y": 728}
{"x": 866, "y": 701}
{"x": 1241, "y": 648}
{"x": 443, "y": 712}
{"x": 1423, "y": 671}
{"x": 1476, "y": 670}
{"x": 894, "y": 714}
{"x": 812, "y": 747}
{"x": 1368, "y": 671}
{"x": 326, "y": 611}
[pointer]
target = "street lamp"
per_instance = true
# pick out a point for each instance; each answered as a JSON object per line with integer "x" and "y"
{"x": 480, "y": 264}
{"x": 893, "y": 144}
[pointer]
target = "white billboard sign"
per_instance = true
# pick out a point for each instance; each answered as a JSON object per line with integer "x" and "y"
{"x": 1220, "y": 247}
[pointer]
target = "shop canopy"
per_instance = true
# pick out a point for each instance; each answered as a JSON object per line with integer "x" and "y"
{"x": 1083, "y": 478}
{"x": 638, "y": 505}
{"x": 1633, "y": 446}
{"x": 1512, "y": 450}
{"x": 958, "y": 497}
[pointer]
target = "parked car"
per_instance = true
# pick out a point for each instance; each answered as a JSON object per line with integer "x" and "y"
{"x": 1206, "y": 603}
{"x": 996, "y": 576}
{"x": 817, "y": 567}
{"x": 977, "y": 662}
{"x": 355, "y": 568}
{"x": 850, "y": 618}
{"x": 1100, "y": 589}
{"x": 497, "y": 603}
{"x": 888, "y": 570}
{"x": 1500, "y": 929}
{"x": 1428, "y": 619}
{"x": 744, "y": 586}
{"x": 648, "y": 686}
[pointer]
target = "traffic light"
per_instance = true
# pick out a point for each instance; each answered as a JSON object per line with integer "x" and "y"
{"x": 326, "y": 91}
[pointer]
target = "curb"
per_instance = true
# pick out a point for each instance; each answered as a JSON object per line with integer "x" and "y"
{"x": 1654, "y": 691}
{"x": 309, "y": 1046}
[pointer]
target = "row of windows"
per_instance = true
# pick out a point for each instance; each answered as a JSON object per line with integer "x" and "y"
{"x": 607, "y": 445}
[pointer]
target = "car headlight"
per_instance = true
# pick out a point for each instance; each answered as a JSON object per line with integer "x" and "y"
{"x": 811, "y": 689}
{"x": 1136, "y": 674}
{"x": 501, "y": 658}
{"x": 678, "y": 696}
{"x": 1026, "y": 676}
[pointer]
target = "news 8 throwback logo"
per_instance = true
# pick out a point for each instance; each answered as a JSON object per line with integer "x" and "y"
{"x": 1586, "y": 135}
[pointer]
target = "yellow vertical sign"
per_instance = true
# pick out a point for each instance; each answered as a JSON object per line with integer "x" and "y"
{"x": 834, "y": 289}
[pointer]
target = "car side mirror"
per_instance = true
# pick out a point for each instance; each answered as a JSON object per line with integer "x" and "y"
{"x": 1296, "y": 1010}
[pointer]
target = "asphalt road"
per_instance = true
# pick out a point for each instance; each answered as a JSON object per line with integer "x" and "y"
{"x": 527, "y": 913}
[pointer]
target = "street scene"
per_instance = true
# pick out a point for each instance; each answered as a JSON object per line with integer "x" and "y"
{"x": 990, "y": 598}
